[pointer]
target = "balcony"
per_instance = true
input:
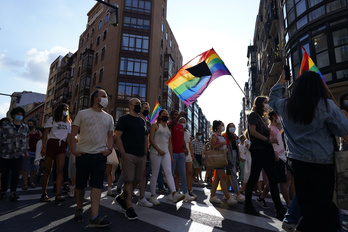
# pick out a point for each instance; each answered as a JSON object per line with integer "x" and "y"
{"x": 275, "y": 61}
{"x": 273, "y": 18}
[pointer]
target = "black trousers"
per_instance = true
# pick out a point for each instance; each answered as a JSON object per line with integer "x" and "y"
{"x": 10, "y": 166}
{"x": 263, "y": 158}
{"x": 314, "y": 185}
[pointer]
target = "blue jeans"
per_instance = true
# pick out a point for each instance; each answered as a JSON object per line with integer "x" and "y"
{"x": 179, "y": 161}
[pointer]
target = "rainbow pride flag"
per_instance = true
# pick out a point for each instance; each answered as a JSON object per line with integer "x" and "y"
{"x": 194, "y": 77}
{"x": 308, "y": 65}
{"x": 155, "y": 112}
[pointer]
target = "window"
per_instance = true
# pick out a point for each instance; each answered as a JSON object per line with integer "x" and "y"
{"x": 303, "y": 21}
{"x": 317, "y": 13}
{"x": 127, "y": 91}
{"x": 121, "y": 111}
{"x": 78, "y": 72}
{"x": 335, "y": 5}
{"x": 162, "y": 27}
{"x": 170, "y": 43}
{"x": 94, "y": 79}
{"x": 100, "y": 24}
{"x": 136, "y": 23}
{"x": 133, "y": 67}
{"x": 301, "y": 7}
{"x": 138, "y": 5}
{"x": 103, "y": 53}
{"x": 98, "y": 40}
{"x": 76, "y": 89}
{"x": 312, "y": 3}
{"x": 96, "y": 58}
{"x": 342, "y": 74}
{"x": 104, "y": 34}
{"x": 101, "y": 73}
{"x": 167, "y": 35}
{"x": 340, "y": 39}
{"x": 106, "y": 18}
{"x": 136, "y": 43}
{"x": 163, "y": 11}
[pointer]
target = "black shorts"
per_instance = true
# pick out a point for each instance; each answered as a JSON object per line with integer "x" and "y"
{"x": 90, "y": 166}
{"x": 280, "y": 171}
{"x": 199, "y": 159}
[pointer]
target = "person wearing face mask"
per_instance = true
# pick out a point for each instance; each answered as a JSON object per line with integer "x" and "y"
{"x": 54, "y": 141}
{"x": 262, "y": 157}
{"x": 131, "y": 142}
{"x": 14, "y": 145}
{"x": 161, "y": 154}
{"x": 198, "y": 152}
{"x": 233, "y": 159}
{"x": 28, "y": 165}
{"x": 218, "y": 142}
{"x": 95, "y": 143}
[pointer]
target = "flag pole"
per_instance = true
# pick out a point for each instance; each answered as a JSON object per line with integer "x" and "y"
{"x": 332, "y": 96}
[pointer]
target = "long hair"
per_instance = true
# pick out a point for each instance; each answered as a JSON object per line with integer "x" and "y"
{"x": 158, "y": 119}
{"x": 216, "y": 123}
{"x": 58, "y": 113}
{"x": 228, "y": 133}
{"x": 308, "y": 90}
{"x": 342, "y": 99}
{"x": 258, "y": 106}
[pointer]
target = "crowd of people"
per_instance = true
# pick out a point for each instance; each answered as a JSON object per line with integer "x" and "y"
{"x": 287, "y": 147}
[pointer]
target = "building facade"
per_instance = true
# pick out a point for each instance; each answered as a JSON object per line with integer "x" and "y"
{"x": 282, "y": 28}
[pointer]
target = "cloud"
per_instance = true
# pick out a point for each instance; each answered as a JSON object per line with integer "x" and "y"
{"x": 37, "y": 63}
{"x": 4, "y": 107}
{"x": 9, "y": 63}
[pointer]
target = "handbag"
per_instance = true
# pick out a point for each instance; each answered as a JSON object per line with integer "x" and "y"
{"x": 340, "y": 196}
{"x": 112, "y": 158}
{"x": 216, "y": 159}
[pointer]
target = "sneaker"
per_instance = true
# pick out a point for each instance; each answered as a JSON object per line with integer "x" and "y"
{"x": 215, "y": 199}
{"x": 192, "y": 194}
{"x": 78, "y": 216}
{"x": 143, "y": 202}
{"x": 14, "y": 196}
{"x": 99, "y": 222}
{"x": 162, "y": 191}
{"x": 188, "y": 197}
{"x": 262, "y": 203}
{"x": 154, "y": 200}
{"x": 240, "y": 198}
{"x": 170, "y": 197}
{"x": 200, "y": 183}
{"x": 177, "y": 197}
{"x": 71, "y": 192}
{"x": 130, "y": 214}
{"x": 280, "y": 214}
{"x": 288, "y": 227}
{"x": 231, "y": 201}
{"x": 121, "y": 202}
{"x": 110, "y": 194}
{"x": 249, "y": 209}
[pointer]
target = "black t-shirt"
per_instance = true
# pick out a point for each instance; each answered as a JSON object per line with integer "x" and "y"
{"x": 255, "y": 119}
{"x": 133, "y": 136}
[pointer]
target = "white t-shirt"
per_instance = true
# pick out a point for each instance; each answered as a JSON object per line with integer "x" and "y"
{"x": 278, "y": 148}
{"x": 59, "y": 130}
{"x": 94, "y": 127}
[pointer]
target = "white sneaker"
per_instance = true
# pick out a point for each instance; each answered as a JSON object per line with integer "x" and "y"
{"x": 188, "y": 197}
{"x": 177, "y": 197}
{"x": 154, "y": 200}
{"x": 231, "y": 201}
{"x": 288, "y": 227}
{"x": 143, "y": 202}
{"x": 240, "y": 198}
{"x": 215, "y": 199}
{"x": 170, "y": 196}
{"x": 71, "y": 192}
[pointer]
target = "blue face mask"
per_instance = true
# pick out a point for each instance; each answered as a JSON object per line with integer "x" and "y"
{"x": 18, "y": 117}
{"x": 184, "y": 125}
{"x": 200, "y": 137}
{"x": 238, "y": 140}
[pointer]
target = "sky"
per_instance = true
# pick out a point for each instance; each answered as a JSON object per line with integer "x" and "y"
{"x": 34, "y": 33}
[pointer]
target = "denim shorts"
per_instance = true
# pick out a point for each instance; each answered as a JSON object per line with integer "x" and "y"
{"x": 28, "y": 164}
{"x": 90, "y": 166}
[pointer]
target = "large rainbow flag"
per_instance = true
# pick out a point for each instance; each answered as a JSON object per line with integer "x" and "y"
{"x": 308, "y": 65}
{"x": 155, "y": 112}
{"x": 194, "y": 77}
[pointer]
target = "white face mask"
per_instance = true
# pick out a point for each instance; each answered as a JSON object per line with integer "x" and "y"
{"x": 65, "y": 113}
{"x": 232, "y": 130}
{"x": 278, "y": 120}
{"x": 104, "y": 102}
{"x": 223, "y": 128}
{"x": 266, "y": 107}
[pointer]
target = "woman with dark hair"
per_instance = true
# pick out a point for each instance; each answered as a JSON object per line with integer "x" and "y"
{"x": 233, "y": 159}
{"x": 14, "y": 143}
{"x": 161, "y": 153}
{"x": 262, "y": 155}
{"x": 218, "y": 142}
{"x": 56, "y": 135}
{"x": 310, "y": 121}
{"x": 28, "y": 166}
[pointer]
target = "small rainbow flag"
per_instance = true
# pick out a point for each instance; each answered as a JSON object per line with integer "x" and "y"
{"x": 194, "y": 77}
{"x": 308, "y": 65}
{"x": 155, "y": 112}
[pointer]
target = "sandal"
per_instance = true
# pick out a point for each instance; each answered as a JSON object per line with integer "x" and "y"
{"x": 45, "y": 198}
{"x": 59, "y": 198}
{"x": 32, "y": 185}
